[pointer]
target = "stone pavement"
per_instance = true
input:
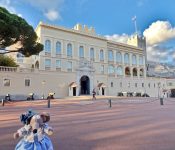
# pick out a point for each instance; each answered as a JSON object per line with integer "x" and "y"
{"x": 131, "y": 123}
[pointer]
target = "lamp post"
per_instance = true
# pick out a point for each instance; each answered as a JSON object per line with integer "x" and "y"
{"x": 43, "y": 83}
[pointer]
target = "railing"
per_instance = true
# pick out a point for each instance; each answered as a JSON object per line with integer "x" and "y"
{"x": 8, "y": 69}
{"x": 16, "y": 69}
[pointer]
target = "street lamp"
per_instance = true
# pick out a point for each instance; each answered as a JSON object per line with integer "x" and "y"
{"x": 43, "y": 83}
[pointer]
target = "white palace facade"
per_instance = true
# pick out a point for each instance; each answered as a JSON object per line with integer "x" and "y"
{"x": 76, "y": 61}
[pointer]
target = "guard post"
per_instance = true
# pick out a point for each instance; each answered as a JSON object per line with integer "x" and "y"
{"x": 110, "y": 103}
{"x": 161, "y": 101}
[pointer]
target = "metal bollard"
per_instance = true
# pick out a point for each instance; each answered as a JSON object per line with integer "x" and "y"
{"x": 110, "y": 103}
{"x": 2, "y": 101}
{"x": 48, "y": 103}
{"x": 161, "y": 101}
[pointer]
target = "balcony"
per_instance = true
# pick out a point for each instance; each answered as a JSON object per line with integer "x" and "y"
{"x": 17, "y": 69}
{"x": 8, "y": 69}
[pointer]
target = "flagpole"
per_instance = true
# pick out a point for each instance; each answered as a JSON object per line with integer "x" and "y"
{"x": 135, "y": 23}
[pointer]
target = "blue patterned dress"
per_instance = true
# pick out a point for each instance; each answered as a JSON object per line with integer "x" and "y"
{"x": 34, "y": 141}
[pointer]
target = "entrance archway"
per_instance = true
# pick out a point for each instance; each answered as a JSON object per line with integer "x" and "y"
{"x": 85, "y": 85}
{"x": 103, "y": 91}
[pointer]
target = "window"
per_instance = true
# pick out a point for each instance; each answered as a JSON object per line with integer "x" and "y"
{"x": 112, "y": 85}
{"x": 101, "y": 55}
{"x": 120, "y": 84}
{"x": 119, "y": 71}
{"x": 69, "y": 66}
{"x": 134, "y": 72}
{"x": 154, "y": 85}
{"x": 6, "y": 82}
{"x": 19, "y": 55}
{"x": 110, "y": 55}
{"x": 102, "y": 69}
{"x": 58, "y": 48}
{"x": 58, "y": 63}
{"x": 134, "y": 61}
{"x": 149, "y": 85}
{"x": 170, "y": 84}
{"x": 140, "y": 60}
{"x": 92, "y": 53}
{"x": 47, "y": 63}
{"x": 135, "y": 84}
{"x": 126, "y": 58}
{"x": 81, "y": 52}
{"x": 118, "y": 57}
{"x": 127, "y": 71}
{"x": 27, "y": 82}
{"x": 69, "y": 50}
{"x": 141, "y": 72}
{"x": 47, "y": 46}
{"x": 129, "y": 84}
{"x": 111, "y": 69}
{"x": 142, "y": 84}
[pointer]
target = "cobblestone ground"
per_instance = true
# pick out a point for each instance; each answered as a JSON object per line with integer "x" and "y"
{"x": 131, "y": 124}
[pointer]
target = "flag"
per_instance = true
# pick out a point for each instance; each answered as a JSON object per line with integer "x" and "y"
{"x": 134, "y": 18}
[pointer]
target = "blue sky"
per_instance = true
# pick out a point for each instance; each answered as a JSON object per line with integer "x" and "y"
{"x": 111, "y": 18}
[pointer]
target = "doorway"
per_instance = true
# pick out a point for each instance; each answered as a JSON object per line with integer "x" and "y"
{"x": 74, "y": 91}
{"x": 85, "y": 85}
{"x": 103, "y": 91}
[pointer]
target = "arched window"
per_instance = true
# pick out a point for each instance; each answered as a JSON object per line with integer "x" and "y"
{"x": 119, "y": 71}
{"x": 81, "y": 51}
{"x": 47, "y": 46}
{"x": 92, "y": 53}
{"x": 134, "y": 60}
{"x": 69, "y": 49}
{"x": 101, "y": 55}
{"x": 110, "y": 55}
{"x": 140, "y": 60}
{"x": 19, "y": 55}
{"x": 127, "y": 71}
{"x": 58, "y": 48}
{"x": 134, "y": 72}
{"x": 118, "y": 57}
{"x": 126, "y": 58}
{"x": 111, "y": 69}
{"x": 37, "y": 65}
{"x": 141, "y": 72}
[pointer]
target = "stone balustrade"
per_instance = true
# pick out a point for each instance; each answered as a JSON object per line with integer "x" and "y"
{"x": 16, "y": 69}
{"x": 8, "y": 69}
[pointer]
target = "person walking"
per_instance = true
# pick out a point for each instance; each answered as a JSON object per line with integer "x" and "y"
{"x": 93, "y": 94}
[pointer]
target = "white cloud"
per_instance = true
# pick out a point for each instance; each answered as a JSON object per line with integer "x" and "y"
{"x": 173, "y": 56}
{"x": 118, "y": 38}
{"x": 50, "y": 9}
{"x": 52, "y": 15}
{"x": 159, "y": 31}
{"x": 8, "y": 4}
{"x": 158, "y": 36}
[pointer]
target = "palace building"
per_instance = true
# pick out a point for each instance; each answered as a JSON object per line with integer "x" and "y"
{"x": 76, "y": 61}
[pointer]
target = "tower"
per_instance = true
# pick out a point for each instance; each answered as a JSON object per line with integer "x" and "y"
{"x": 138, "y": 41}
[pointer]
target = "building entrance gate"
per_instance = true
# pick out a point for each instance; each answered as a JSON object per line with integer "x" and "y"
{"x": 85, "y": 85}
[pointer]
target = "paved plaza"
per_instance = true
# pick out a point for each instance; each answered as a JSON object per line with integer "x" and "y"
{"x": 131, "y": 124}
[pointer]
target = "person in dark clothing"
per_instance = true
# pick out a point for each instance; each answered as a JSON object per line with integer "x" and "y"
{"x": 93, "y": 94}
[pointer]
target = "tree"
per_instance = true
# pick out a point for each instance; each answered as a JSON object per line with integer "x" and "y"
{"x": 13, "y": 30}
{"x": 7, "y": 61}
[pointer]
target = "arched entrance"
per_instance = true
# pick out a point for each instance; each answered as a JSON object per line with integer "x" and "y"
{"x": 103, "y": 91}
{"x": 85, "y": 85}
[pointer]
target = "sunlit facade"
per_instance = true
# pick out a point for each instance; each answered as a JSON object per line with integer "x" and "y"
{"x": 76, "y": 61}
